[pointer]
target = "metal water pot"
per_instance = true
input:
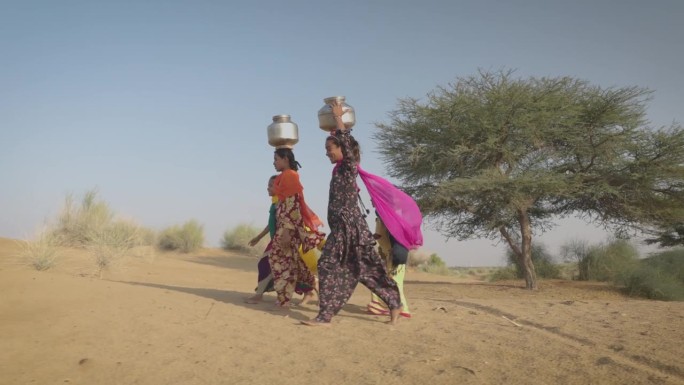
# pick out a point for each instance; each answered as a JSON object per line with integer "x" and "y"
{"x": 282, "y": 133}
{"x": 326, "y": 120}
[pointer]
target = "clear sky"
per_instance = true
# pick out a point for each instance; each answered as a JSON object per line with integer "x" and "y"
{"x": 163, "y": 105}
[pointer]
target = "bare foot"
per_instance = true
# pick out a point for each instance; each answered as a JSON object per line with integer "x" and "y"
{"x": 394, "y": 316}
{"x": 308, "y": 297}
{"x": 315, "y": 322}
{"x": 281, "y": 308}
{"x": 253, "y": 300}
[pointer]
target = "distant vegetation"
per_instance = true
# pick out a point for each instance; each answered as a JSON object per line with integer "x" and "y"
{"x": 186, "y": 238}
{"x": 237, "y": 239}
{"x": 42, "y": 252}
{"x": 660, "y": 276}
{"x": 92, "y": 225}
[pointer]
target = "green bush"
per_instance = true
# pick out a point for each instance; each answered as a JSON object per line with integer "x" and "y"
{"x": 541, "y": 259}
{"x": 504, "y": 274}
{"x": 607, "y": 262}
{"x": 671, "y": 261}
{"x": 658, "y": 277}
{"x": 436, "y": 269}
{"x": 435, "y": 260}
{"x": 237, "y": 239}
{"x": 435, "y": 265}
{"x": 650, "y": 282}
{"x": 186, "y": 238}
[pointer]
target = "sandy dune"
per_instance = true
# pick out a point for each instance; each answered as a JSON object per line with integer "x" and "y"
{"x": 180, "y": 319}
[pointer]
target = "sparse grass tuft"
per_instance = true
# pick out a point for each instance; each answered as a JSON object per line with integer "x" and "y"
{"x": 186, "y": 238}
{"x": 507, "y": 273}
{"x": 42, "y": 252}
{"x": 435, "y": 265}
{"x": 237, "y": 239}
{"x": 109, "y": 244}
{"x": 76, "y": 223}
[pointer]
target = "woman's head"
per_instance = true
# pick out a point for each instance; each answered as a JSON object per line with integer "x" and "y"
{"x": 333, "y": 149}
{"x": 284, "y": 159}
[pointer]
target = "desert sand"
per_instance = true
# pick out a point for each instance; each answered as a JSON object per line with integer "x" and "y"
{"x": 171, "y": 318}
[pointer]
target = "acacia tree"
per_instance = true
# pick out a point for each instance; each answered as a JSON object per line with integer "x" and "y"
{"x": 497, "y": 157}
{"x": 668, "y": 234}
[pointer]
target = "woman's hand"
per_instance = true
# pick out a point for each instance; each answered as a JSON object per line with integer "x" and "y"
{"x": 337, "y": 113}
{"x": 337, "y": 109}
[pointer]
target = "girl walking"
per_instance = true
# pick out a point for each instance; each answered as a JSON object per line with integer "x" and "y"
{"x": 349, "y": 256}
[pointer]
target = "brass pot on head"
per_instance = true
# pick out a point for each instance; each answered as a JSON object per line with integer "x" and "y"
{"x": 283, "y": 132}
{"x": 326, "y": 120}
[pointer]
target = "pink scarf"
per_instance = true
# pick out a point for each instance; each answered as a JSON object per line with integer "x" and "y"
{"x": 397, "y": 210}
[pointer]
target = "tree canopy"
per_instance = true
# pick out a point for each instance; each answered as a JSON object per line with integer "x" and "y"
{"x": 499, "y": 157}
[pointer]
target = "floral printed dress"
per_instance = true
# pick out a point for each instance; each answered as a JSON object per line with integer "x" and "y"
{"x": 349, "y": 256}
{"x": 289, "y": 271}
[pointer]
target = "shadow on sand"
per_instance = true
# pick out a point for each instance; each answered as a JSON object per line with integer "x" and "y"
{"x": 231, "y": 297}
{"x": 298, "y": 313}
{"x": 468, "y": 284}
{"x": 243, "y": 263}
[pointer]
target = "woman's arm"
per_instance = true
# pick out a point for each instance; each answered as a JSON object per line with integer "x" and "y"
{"x": 343, "y": 135}
{"x": 256, "y": 239}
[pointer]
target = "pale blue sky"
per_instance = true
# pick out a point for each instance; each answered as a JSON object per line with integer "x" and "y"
{"x": 163, "y": 105}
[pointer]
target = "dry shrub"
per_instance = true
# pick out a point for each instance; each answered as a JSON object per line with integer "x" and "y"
{"x": 42, "y": 252}
{"x": 186, "y": 238}
{"x": 418, "y": 257}
{"x": 237, "y": 239}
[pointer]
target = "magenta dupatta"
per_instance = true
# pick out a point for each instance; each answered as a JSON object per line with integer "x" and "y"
{"x": 398, "y": 211}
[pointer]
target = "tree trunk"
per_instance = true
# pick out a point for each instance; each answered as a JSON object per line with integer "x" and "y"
{"x": 526, "y": 251}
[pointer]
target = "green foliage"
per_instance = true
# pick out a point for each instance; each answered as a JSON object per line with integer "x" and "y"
{"x": 660, "y": 276}
{"x": 435, "y": 265}
{"x": 671, "y": 261}
{"x": 668, "y": 235}
{"x": 435, "y": 260}
{"x": 541, "y": 259}
{"x": 237, "y": 239}
{"x": 608, "y": 262}
{"x": 504, "y": 274}
{"x": 653, "y": 283}
{"x": 493, "y": 156}
{"x": 186, "y": 238}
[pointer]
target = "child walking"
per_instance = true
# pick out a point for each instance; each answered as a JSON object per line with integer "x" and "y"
{"x": 265, "y": 277}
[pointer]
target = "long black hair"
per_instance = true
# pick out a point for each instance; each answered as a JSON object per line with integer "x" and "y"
{"x": 355, "y": 146}
{"x": 289, "y": 155}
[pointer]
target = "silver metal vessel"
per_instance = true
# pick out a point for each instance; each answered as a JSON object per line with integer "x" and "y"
{"x": 283, "y": 132}
{"x": 326, "y": 120}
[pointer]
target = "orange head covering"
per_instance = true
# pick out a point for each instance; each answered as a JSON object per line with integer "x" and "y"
{"x": 286, "y": 185}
